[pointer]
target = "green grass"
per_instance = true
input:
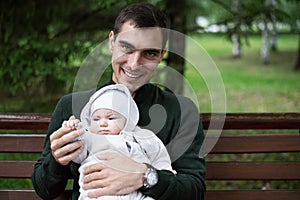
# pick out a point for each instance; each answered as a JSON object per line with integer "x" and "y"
{"x": 249, "y": 85}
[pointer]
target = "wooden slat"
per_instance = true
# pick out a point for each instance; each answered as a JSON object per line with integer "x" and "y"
{"x": 215, "y": 170}
{"x": 253, "y": 171}
{"x": 253, "y": 194}
{"x": 252, "y": 121}
{"x": 16, "y": 168}
{"x": 38, "y": 121}
{"x": 24, "y": 121}
{"x": 256, "y": 143}
{"x": 27, "y": 194}
{"x": 24, "y": 143}
{"x": 9, "y": 194}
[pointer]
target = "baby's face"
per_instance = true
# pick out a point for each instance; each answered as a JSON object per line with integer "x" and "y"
{"x": 107, "y": 122}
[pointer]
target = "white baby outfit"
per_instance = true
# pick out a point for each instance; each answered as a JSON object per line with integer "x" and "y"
{"x": 139, "y": 144}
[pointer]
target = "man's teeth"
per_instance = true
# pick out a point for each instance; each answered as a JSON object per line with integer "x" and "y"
{"x": 131, "y": 75}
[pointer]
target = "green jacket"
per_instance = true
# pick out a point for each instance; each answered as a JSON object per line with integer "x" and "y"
{"x": 174, "y": 119}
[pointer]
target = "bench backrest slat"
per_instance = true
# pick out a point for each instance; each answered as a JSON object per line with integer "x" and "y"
{"x": 255, "y": 143}
{"x": 253, "y": 194}
{"x": 29, "y": 121}
{"x": 215, "y": 170}
{"x": 253, "y": 171}
{"x": 16, "y": 168}
{"x": 22, "y": 143}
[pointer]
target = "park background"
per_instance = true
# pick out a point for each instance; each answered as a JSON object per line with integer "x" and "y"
{"x": 254, "y": 44}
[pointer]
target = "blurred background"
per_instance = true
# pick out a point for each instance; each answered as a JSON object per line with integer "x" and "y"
{"x": 254, "y": 44}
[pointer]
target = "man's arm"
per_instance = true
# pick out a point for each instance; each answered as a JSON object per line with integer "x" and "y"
{"x": 184, "y": 150}
{"x": 49, "y": 177}
{"x": 52, "y": 170}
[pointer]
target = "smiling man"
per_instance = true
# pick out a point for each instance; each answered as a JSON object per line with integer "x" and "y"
{"x": 137, "y": 44}
{"x": 136, "y": 52}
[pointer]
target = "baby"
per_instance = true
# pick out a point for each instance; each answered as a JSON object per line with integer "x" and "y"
{"x": 109, "y": 121}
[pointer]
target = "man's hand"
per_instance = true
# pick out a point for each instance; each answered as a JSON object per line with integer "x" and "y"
{"x": 64, "y": 148}
{"x": 116, "y": 175}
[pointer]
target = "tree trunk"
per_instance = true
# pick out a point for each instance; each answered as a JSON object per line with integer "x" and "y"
{"x": 236, "y": 45}
{"x": 297, "y": 65}
{"x": 176, "y": 44}
{"x": 265, "y": 45}
{"x": 236, "y": 36}
{"x": 274, "y": 30}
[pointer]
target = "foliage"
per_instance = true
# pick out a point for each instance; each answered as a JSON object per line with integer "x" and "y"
{"x": 42, "y": 44}
{"x": 245, "y": 16}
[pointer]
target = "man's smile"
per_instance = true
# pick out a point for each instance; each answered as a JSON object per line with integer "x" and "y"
{"x": 129, "y": 74}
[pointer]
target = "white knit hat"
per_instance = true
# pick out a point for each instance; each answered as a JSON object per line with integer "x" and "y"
{"x": 115, "y": 97}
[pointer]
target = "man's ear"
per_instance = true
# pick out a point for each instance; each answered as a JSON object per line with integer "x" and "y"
{"x": 163, "y": 53}
{"x": 111, "y": 41}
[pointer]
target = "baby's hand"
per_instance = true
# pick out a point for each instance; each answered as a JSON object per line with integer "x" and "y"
{"x": 72, "y": 123}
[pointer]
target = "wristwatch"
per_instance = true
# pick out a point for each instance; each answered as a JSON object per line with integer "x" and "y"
{"x": 150, "y": 177}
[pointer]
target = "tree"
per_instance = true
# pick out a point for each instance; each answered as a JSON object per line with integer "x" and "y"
{"x": 42, "y": 43}
{"x": 243, "y": 17}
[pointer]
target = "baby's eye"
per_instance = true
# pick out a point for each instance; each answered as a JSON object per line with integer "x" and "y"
{"x": 95, "y": 119}
{"x": 111, "y": 118}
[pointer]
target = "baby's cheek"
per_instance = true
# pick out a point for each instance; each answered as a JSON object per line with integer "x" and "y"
{"x": 94, "y": 128}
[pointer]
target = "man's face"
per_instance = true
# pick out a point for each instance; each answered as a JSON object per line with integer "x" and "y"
{"x": 136, "y": 52}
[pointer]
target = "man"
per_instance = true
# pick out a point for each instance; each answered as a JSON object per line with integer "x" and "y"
{"x": 137, "y": 44}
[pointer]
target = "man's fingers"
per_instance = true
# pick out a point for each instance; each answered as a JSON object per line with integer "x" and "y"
{"x": 94, "y": 168}
{"x": 67, "y": 149}
{"x": 59, "y": 133}
{"x": 105, "y": 191}
{"x": 64, "y": 138}
{"x": 100, "y": 192}
{"x": 64, "y": 160}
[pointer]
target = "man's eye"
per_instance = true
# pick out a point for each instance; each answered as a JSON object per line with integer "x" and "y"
{"x": 152, "y": 54}
{"x": 126, "y": 48}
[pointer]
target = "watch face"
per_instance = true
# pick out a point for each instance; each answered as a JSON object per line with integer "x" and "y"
{"x": 152, "y": 178}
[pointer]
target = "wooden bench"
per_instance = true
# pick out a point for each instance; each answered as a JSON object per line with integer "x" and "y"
{"x": 253, "y": 134}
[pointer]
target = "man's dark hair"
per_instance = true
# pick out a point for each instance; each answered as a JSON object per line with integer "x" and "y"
{"x": 143, "y": 15}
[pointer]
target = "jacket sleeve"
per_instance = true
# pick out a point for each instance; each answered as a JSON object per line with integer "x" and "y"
{"x": 184, "y": 149}
{"x": 49, "y": 177}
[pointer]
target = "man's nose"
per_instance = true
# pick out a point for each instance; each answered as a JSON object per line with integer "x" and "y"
{"x": 134, "y": 60}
